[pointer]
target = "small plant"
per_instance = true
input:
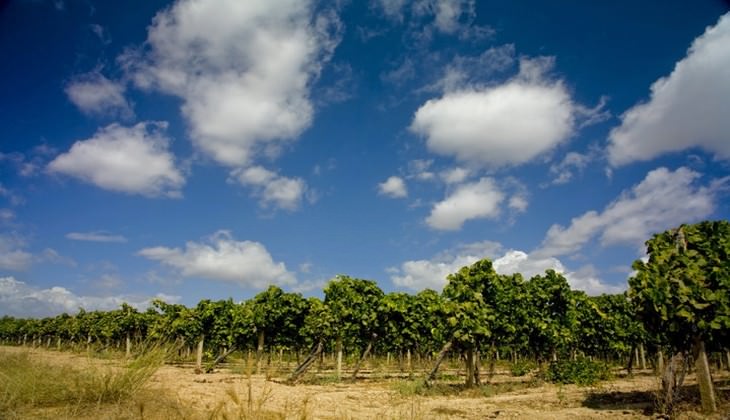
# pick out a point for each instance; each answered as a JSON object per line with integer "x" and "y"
{"x": 582, "y": 372}
{"x": 521, "y": 368}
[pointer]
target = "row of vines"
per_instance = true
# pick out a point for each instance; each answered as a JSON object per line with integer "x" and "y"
{"x": 677, "y": 309}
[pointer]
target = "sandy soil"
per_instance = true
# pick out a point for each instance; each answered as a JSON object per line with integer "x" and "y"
{"x": 226, "y": 393}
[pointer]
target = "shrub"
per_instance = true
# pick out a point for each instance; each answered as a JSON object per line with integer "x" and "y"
{"x": 521, "y": 367}
{"x": 582, "y": 372}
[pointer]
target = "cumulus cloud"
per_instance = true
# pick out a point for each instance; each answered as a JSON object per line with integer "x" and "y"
{"x": 476, "y": 200}
{"x": 94, "y": 94}
{"x": 585, "y": 279}
{"x": 20, "y": 299}
{"x": 448, "y": 12}
{"x": 495, "y": 126}
{"x": 13, "y": 255}
{"x": 133, "y": 160}
{"x": 431, "y": 274}
{"x": 96, "y": 236}
{"x": 243, "y": 69}
{"x": 573, "y": 162}
{"x": 518, "y": 202}
{"x": 271, "y": 188}
{"x": 686, "y": 109}
{"x": 514, "y": 261}
{"x": 474, "y": 70}
{"x": 455, "y": 175}
{"x": 588, "y": 280}
{"x": 422, "y": 274}
{"x": 221, "y": 257}
{"x": 664, "y": 199}
{"x": 393, "y": 187}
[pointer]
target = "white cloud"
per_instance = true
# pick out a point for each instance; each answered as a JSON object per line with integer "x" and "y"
{"x": 18, "y": 298}
{"x": 134, "y": 160}
{"x": 420, "y": 169}
{"x": 390, "y": 8}
{"x": 271, "y": 188}
{"x": 476, "y": 200}
{"x": 502, "y": 125}
{"x": 50, "y": 255}
{"x": 221, "y": 257}
{"x": 243, "y": 69}
{"x": 514, "y": 261}
{"x": 455, "y": 175}
{"x": 564, "y": 171}
{"x": 393, "y": 187}
{"x": 12, "y": 197}
{"x": 97, "y": 236}
{"x": 473, "y": 70}
{"x": 13, "y": 255}
{"x": 518, "y": 202}
{"x": 446, "y": 14}
{"x": 94, "y": 94}
{"x": 664, "y": 199}
{"x": 422, "y": 274}
{"x": 586, "y": 279}
{"x": 686, "y": 109}
{"x": 431, "y": 274}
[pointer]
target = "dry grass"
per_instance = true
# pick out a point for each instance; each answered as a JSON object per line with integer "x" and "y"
{"x": 35, "y": 388}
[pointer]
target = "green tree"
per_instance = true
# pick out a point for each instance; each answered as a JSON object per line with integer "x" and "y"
{"x": 470, "y": 313}
{"x": 683, "y": 293}
{"x": 353, "y": 304}
{"x": 552, "y": 314}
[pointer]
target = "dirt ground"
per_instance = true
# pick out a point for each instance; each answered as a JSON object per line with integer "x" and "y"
{"x": 229, "y": 393}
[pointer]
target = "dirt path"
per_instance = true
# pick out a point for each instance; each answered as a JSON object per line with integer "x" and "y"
{"x": 224, "y": 394}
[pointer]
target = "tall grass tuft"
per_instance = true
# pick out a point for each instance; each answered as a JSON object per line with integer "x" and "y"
{"x": 27, "y": 383}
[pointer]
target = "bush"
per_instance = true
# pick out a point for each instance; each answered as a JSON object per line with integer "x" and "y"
{"x": 582, "y": 372}
{"x": 521, "y": 367}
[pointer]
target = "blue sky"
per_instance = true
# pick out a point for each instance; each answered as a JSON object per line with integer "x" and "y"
{"x": 207, "y": 149}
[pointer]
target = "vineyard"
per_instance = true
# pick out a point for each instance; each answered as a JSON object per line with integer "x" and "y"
{"x": 674, "y": 320}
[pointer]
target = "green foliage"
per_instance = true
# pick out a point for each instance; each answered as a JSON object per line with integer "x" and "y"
{"x": 552, "y": 313}
{"x": 582, "y": 372}
{"x": 468, "y": 292}
{"x": 521, "y": 367}
{"x": 353, "y": 305}
{"x": 279, "y": 315}
{"x": 607, "y": 324}
{"x": 683, "y": 291}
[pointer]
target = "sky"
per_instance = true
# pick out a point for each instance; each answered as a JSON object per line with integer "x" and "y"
{"x": 202, "y": 149}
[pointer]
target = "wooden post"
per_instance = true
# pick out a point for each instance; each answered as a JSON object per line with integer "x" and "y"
{"x": 409, "y": 366}
{"x": 642, "y": 356}
{"x": 199, "y": 355}
{"x": 259, "y": 351}
{"x": 469, "y": 368}
{"x": 128, "y": 351}
{"x": 660, "y": 362}
{"x": 704, "y": 379}
{"x": 339, "y": 358}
